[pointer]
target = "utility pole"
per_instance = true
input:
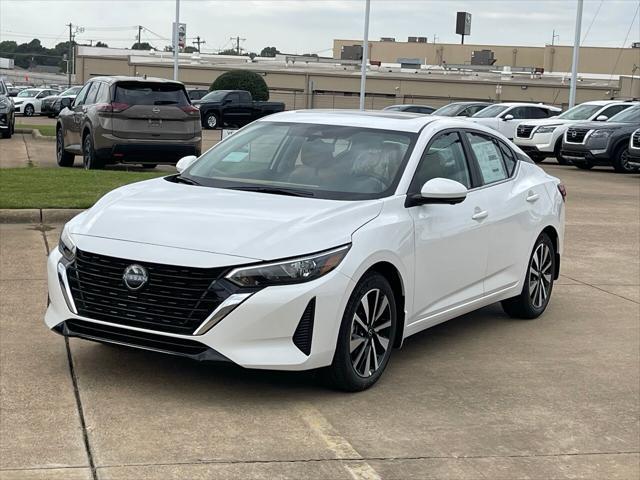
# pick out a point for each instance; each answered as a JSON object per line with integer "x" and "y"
{"x": 238, "y": 40}
{"x": 69, "y": 54}
{"x": 365, "y": 54}
{"x": 198, "y": 42}
{"x": 576, "y": 52}
{"x": 553, "y": 37}
{"x": 176, "y": 48}
{"x": 139, "y": 33}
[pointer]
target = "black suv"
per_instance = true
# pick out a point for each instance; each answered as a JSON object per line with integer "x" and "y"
{"x": 7, "y": 112}
{"x": 602, "y": 143}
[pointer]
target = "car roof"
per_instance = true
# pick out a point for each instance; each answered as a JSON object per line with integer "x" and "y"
{"x": 470, "y": 103}
{"x": 379, "y": 119}
{"x": 407, "y": 105}
{"x": 124, "y": 78}
{"x": 527, "y": 104}
{"x": 608, "y": 102}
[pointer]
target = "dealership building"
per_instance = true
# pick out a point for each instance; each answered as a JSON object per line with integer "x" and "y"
{"x": 400, "y": 72}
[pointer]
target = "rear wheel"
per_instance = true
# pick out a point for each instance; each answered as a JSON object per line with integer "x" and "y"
{"x": 538, "y": 157}
{"x": 29, "y": 111}
{"x": 63, "y": 158}
{"x": 89, "y": 159}
{"x": 211, "y": 121}
{"x": 366, "y": 336}
{"x": 538, "y": 284}
{"x": 621, "y": 160}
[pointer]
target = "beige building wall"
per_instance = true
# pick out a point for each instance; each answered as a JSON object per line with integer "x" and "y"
{"x": 553, "y": 58}
{"x": 315, "y": 88}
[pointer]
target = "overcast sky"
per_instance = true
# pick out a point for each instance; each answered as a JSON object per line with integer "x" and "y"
{"x": 303, "y": 26}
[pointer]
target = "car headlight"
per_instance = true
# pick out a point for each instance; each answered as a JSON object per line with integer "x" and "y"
{"x": 601, "y": 134}
{"x": 546, "y": 129}
{"x": 66, "y": 246}
{"x": 295, "y": 270}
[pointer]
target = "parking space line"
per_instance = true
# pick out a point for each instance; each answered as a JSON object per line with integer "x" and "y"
{"x": 343, "y": 450}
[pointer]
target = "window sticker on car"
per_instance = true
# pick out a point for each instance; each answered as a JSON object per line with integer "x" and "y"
{"x": 490, "y": 161}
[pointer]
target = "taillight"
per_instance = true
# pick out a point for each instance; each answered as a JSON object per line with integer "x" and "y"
{"x": 113, "y": 107}
{"x": 563, "y": 191}
{"x": 190, "y": 109}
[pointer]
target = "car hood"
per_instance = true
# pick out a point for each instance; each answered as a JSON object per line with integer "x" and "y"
{"x": 547, "y": 121}
{"x": 602, "y": 125}
{"x": 254, "y": 225}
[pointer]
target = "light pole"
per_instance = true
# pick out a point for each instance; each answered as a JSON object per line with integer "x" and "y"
{"x": 176, "y": 48}
{"x": 576, "y": 51}
{"x": 365, "y": 55}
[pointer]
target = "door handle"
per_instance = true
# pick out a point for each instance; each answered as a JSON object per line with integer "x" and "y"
{"x": 532, "y": 197}
{"x": 480, "y": 215}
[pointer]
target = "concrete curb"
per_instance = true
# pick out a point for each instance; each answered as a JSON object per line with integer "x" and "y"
{"x": 35, "y": 133}
{"x": 37, "y": 215}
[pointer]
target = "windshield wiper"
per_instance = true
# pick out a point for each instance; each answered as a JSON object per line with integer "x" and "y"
{"x": 276, "y": 190}
{"x": 188, "y": 181}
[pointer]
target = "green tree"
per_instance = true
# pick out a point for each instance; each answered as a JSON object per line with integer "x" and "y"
{"x": 269, "y": 52}
{"x": 141, "y": 46}
{"x": 242, "y": 80}
{"x": 228, "y": 51}
{"x": 190, "y": 49}
{"x": 101, "y": 44}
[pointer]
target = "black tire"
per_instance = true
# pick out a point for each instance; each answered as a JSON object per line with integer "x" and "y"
{"x": 9, "y": 131}
{"x": 211, "y": 121}
{"x": 89, "y": 159}
{"x": 537, "y": 157}
{"x": 29, "y": 111}
{"x": 538, "y": 281}
{"x": 620, "y": 160}
{"x": 342, "y": 373}
{"x": 584, "y": 166}
{"x": 557, "y": 154}
{"x": 63, "y": 158}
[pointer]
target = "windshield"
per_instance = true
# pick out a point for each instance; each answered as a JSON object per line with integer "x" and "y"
{"x": 216, "y": 96}
{"x": 630, "y": 115}
{"x": 450, "y": 110}
{"x": 580, "y": 112}
{"x": 71, "y": 91}
{"x": 492, "y": 111}
{"x": 323, "y": 161}
{"x": 28, "y": 93}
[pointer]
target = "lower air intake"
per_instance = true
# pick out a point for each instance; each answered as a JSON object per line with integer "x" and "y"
{"x": 304, "y": 331}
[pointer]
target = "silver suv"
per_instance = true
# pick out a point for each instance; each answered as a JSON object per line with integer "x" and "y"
{"x": 128, "y": 120}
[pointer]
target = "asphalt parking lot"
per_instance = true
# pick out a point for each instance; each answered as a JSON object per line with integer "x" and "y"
{"x": 480, "y": 397}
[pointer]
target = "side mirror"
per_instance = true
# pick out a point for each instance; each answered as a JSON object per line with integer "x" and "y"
{"x": 65, "y": 102}
{"x": 185, "y": 162}
{"x": 602, "y": 118}
{"x": 508, "y": 116}
{"x": 439, "y": 190}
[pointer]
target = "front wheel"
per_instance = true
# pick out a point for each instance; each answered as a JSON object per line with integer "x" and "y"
{"x": 538, "y": 283}
{"x": 29, "y": 111}
{"x": 63, "y": 158}
{"x": 366, "y": 336}
{"x": 621, "y": 160}
{"x": 584, "y": 166}
{"x": 557, "y": 152}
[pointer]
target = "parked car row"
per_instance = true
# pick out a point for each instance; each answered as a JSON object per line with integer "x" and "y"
{"x": 7, "y": 112}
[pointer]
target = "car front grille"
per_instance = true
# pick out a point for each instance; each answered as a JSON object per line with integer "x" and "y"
{"x": 175, "y": 299}
{"x": 635, "y": 141}
{"x": 576, "y": 135}
{"x": 524, "y": 131}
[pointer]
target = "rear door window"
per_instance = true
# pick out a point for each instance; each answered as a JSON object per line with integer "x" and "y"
{"x": 488, "y": 154}
{"x": 148, "y": 93}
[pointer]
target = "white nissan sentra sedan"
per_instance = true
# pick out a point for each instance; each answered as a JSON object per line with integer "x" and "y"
{"x": 313, "y": 239}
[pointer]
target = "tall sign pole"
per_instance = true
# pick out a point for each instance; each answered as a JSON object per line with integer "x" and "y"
{"x": 176, "y": 48}
{"x": 365, "y": 55}
{"x": 576, "y": 51}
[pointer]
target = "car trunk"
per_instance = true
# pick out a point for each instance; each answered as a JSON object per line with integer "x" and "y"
{"x": 147, "y": 110}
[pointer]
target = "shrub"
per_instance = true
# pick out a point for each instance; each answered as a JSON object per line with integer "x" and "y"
{"x": 242, "y": 80}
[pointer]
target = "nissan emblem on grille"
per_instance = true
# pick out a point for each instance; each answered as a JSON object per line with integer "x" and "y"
{"x": 573, "y": 134}
{"x": 135, "y": 277}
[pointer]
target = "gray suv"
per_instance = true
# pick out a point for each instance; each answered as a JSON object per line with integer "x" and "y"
{"x": 128, "y": 120}
{"x": 7, "y": 112}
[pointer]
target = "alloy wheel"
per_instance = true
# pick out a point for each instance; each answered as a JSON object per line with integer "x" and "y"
{"x": 540, "y": 275}
{"x": 87, "y": 153}
{"x": 370, "y": 333}
{"x": 59, "y": 145}
{"x": 28, "y": 111}
{"x": 212, "y": 121}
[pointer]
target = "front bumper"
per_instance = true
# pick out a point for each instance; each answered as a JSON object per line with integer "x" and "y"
{"x": 257, "y": 334}
{"x": 584, "y": 155}
{"x": 537, "y": 144}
